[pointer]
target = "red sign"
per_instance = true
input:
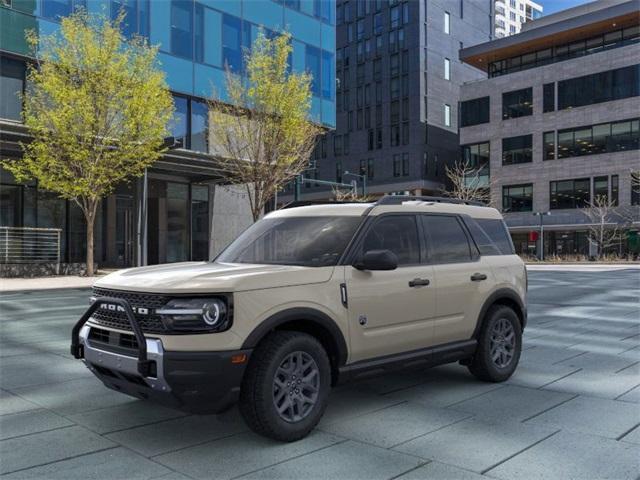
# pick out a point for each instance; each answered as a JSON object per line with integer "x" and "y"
{"x": 533, "y": 236}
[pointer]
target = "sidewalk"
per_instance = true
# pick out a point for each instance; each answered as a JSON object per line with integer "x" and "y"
{"x": 46, "y": 283}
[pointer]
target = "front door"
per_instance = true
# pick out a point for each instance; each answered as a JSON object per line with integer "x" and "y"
{"x": 124, "y": 231}
{"x": 390, "y": 311}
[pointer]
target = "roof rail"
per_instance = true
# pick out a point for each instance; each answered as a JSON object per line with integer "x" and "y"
{"x": 306, "y": 203}
{"x": 398, "y": 199}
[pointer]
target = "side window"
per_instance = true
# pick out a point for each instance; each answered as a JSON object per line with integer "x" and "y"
{"x": 447, "y": 240}
{"x": 398, "y": 233}
{"x": 498, "y": 233}
{"x": 482, "y": 240}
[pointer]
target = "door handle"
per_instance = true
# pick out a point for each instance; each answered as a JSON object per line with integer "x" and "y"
{"x": 478, "y": 277}
{"x": 419, "y": 282}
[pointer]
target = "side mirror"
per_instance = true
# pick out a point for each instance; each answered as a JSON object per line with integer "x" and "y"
{"x": 377, "y": 260}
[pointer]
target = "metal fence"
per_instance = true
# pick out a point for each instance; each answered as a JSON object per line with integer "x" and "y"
{"x": 29, "y": 245}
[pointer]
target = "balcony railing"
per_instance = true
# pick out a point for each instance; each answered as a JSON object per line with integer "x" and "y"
{"x": 30, "y": 245}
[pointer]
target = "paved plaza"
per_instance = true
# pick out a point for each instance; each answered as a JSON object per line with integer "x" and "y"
{"x": 572, "y": 410}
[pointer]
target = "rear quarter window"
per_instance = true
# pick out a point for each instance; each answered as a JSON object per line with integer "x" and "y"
{"x": 491, "y": 236}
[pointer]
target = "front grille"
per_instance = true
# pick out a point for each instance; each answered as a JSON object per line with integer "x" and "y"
{"x": 150, "y": 323}
{"x": 112, "y": 341}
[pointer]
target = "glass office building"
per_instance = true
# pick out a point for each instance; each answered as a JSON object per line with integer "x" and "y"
{"x": 198, "y": 40}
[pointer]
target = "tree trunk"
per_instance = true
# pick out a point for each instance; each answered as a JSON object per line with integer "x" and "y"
{"x": 90, "y": 223}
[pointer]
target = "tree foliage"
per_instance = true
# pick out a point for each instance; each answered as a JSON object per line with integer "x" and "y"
{"x": 97, "y": 107}
{"x": 261, "y": 131}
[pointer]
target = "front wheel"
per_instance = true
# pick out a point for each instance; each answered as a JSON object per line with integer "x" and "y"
{"x": 286, "y": 387}
{"x": 499, "y": 345}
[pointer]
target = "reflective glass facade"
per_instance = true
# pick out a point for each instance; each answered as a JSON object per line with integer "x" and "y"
{"x": 198, "y": 39}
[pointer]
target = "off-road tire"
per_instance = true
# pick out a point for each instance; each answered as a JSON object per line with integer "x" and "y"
{"x": 257, "y": 390}
{"x": 482, "y": 365}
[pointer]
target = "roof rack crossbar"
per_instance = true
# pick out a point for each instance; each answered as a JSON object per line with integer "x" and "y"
{"x": 396, "y": 199}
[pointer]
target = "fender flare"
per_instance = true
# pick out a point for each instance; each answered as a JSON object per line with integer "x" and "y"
{"x": 502, "y": 294}
{"x": 311, "y": 315}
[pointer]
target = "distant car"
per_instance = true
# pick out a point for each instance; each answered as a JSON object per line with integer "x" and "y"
{"x": 305, "y": 298}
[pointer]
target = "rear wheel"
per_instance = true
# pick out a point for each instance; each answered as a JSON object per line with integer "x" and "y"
{"x": 285, "y": 389}
{"x": 499, "y": 345}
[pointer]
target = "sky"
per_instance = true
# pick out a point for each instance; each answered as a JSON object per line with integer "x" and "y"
{"x": 553, "y": 6}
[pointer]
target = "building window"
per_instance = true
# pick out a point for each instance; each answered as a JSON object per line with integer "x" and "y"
{"x": 394, "y": 15}
{"x": 603, "y": 138}
{"x": 360, "y": 29}
{"x": 179, "y": 125}
{"x": 601, "y": 188}
{"x": 345, "y": 143}
{"x": 199, "y": 126}
{"x": 339, "y": 172}
{"x": 328, "y": 75}
{"x": 337, "y": 145}
{"x": 615, "y": 190}
{"x": 635, "y": 188}
{"x": 182, "y": 28}
{"x": 370, "y": 168}
{"x": 312, "y": 61}
{"x": 570, "y": 193}
{"x": 516, "y": 150}
{"x": 447, "y": 23}
{"x": 599, "y": 87}
{"x": 447, "y": 69}
{"x": 447, "y": 115}
{"x": 474, "y": 112}
{"x": 549, "y": 145}
{"x": 377, "y": 23}
{"x": 378, "y": 139}
{"x": 517, "y": 103}
{"x": 395, "y": 135}
{"x": 56, "y": 9}
{"x": 136, "y": 20}
{"x": 231, "y": 43}
{"x": 405, "y": 164}
{"x": 396, "y": 166}
{"x": 477, "y": 156}
{"x": 12, "y": 78}
{"x": 549, "y": 97}
{"x": 613, "y": 39}
{"x": 517, "y": 198}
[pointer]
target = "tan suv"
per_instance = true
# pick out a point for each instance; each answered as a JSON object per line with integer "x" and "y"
{"x": 305, "y": 298}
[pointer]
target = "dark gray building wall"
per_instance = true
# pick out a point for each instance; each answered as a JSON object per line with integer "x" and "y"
{"x": 430, "y": 141}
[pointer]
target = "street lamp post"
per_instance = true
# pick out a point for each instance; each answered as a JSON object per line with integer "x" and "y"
{"x": 541, "y": 215}
{"x": 364, "y": 181}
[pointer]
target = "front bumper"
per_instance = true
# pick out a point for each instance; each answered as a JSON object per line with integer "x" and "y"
{"x": 197, "y": 382}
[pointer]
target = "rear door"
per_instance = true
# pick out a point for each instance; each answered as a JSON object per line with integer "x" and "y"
{"x": 462, "y": 278}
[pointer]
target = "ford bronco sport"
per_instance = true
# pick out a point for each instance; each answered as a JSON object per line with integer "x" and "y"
{"x": 305, "y": 298}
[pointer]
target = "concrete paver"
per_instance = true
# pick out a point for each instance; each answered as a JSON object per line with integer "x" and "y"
{"x": 475, "y": 445}
{"x": 241, "y": 454}
{"x": 570, "y": 456}
{"x": 397, "y": 424}
{"x": 351, "y": 460}
{"x": 585, "y": 415}
{"x": 579, "y": 376}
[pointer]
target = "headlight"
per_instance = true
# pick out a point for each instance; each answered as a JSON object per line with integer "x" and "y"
{"x": 196, "y": 314}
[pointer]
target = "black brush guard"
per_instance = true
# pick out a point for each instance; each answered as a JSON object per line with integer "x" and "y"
{"x": 144, "y": 365}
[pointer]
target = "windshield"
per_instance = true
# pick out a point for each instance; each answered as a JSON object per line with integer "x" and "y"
{"x": 304, "y": 241}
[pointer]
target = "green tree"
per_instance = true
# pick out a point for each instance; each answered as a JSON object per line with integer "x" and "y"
{"x": 97, "y": 107}
{"x": 261, "y": 131}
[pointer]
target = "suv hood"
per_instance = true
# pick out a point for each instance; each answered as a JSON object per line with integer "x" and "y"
{"x": 201, "y": 277}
